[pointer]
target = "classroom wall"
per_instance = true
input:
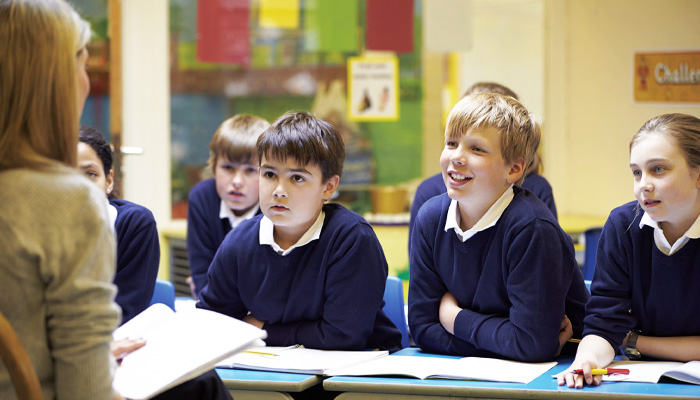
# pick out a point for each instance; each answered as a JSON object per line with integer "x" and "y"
{"x": 590, "y": 113}
{"x": 146, "y": 108}
{"x": 570, "y": 61}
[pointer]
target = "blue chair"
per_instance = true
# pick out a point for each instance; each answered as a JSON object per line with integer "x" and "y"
{"x": 394, "y": 306}
{"x": 164, "y": 293}
{"x": 591, "y": 236}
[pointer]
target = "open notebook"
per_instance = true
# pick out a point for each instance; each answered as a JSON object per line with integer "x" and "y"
{"x": 179, "y": 346}
{"x": 656, "y": 371}
{"x": 468, "y": 368}
{"x": 297, "y": 359}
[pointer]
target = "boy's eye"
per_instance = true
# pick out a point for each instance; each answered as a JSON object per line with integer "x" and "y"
{"x": 451, "y": 143}
{"x": 251, "y": 170}
{"x": 298, "y": 178}
{"x": 478, "y": 149}
{"x": 268, "y": 174}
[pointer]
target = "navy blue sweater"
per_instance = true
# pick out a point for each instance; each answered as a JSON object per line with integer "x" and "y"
{"x": 435, "y": 185}
{"x": 138, "y": 256}
{"x": 205, "y": 230}
{"x": 515, "y": 281}
{"x": 327, "y": 294}
{"x": 631, "y": 273}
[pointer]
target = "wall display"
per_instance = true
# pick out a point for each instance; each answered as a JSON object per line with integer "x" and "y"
{"x": 667, "y": 77}
{"x": 373, "y": 88}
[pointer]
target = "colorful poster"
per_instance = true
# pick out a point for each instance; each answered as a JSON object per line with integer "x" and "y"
{"x": 373, "y": 84}
{"x": 390, "y": 25}
{"x": 223, "y": 31}
{"x": 279, "y": 14}
{"x": 667, "y": 77}
{"x": 331, "y": 25}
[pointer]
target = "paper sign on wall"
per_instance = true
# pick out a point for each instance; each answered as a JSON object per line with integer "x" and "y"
{"x": 373, "y": 93}
{"x": 279, "y": 14}
{"x": 223, "y": 34}
{"x": 667, "y": 77}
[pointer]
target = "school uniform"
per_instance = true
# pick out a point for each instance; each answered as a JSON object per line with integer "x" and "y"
{"x": 633, "y": 273}
{"x": 435, "y": 185}
{"x": 539, "y": 186}
{"x": 206, "y": 228}
{"x": 324, "y": 293}
{"x": 138, "y": 256}
{"x": 514, "y": 274}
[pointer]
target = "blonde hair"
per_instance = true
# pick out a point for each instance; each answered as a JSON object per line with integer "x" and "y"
{"x": 683, "y": 128}
{"x": 519, "y": 129}
{"x": 39, "y": 116}
{"x": 236, "y": 140}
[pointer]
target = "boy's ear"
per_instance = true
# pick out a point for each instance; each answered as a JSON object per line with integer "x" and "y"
{"x": 330, "y": 186}
{"x": 517, "y": 169}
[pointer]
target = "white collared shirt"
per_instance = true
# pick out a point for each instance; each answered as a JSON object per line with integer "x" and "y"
{"x": 267, "y": 235}
{"x": 660, "y": 240}
{"x": 226, "y": 213}
{"x": 489, "y": 219}
{"x": 112, "y": 213}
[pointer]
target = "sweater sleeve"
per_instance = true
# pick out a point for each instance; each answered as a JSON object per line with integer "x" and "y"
{"x": 537, "y": 282}
{"x": 201, "y": 240}
{"x": 221, "y": 292}
{"x": 138, "y": 256}
{"x": 425, "y": 293}
{"x": 354, "y": 291}
{"x": 81, "y": 314}
{"x": 607, "y": 311}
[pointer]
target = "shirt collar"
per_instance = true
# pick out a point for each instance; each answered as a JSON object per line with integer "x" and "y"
{"x": 267, "y": 237}
{"x": 660, "y": 240}
{"x": 489, "y": 219}
{"x": 226, "y": 213}
{"x": 112, "y": 213}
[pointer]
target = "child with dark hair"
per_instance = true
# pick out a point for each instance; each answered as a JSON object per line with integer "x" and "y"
{"x": 307, "y": 272}
{"x": 138, "y": 249}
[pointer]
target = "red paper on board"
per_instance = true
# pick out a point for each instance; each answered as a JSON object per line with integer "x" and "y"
{"x": 223, "y": 31}
{"x": 390, "y": 25}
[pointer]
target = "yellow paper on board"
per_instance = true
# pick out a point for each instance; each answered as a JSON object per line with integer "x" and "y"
{"x": 279, "y": 14}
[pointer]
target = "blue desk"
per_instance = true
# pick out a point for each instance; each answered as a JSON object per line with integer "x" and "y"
{"x": 544, "y": 387}
{"x": 243, "y": 384}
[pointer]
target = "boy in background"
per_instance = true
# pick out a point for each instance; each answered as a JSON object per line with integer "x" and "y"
{"x": 308, "y": 273}
{"x": 492, "y": 273}
{"x": 221, "y": 203}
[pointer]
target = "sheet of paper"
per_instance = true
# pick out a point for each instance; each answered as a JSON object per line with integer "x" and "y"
{"x": 178, "y": 348}
{"x": 298, "y": 359}
{"x": 468, "y": 368}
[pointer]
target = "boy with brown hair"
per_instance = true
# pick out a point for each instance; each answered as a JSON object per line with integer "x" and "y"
{"x": 307, "y": 272}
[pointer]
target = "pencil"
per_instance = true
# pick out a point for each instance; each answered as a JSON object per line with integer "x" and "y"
{"x": 603, "y": 371}
{"x": 260, "y": 353}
